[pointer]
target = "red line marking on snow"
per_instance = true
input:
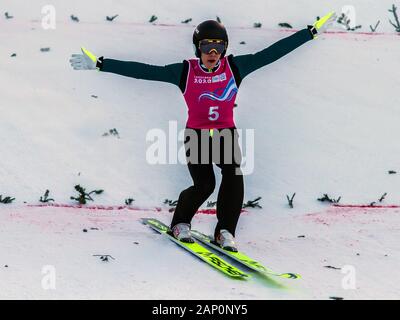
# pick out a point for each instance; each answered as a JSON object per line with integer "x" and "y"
{"x": 94, "y": 207}
{"x": 185, "y": 25}
{"x": 341, "y": 212}
{"x": 367, "y": 206}
{"x": 113, "y": 208}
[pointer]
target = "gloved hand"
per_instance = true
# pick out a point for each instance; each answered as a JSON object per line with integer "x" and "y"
{"x": 323, "y": 24}
{"x": 85, "y": 61}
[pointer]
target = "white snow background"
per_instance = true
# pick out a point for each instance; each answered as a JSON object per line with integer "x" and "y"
{"x": 326, "y": 120}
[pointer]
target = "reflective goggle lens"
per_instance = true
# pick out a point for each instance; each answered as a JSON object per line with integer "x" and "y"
{"x": 207, "y": 46}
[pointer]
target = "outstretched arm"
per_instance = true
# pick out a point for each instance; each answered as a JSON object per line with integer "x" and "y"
{"x": 169, "y": 73}
{"x": 88, "y": 61}
{"x": 248, "y": 63}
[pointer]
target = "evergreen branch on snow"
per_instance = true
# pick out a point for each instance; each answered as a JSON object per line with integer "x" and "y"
{"x": 171, "y": 203}
{"x": 111, "y": 18}
{"x": 153, "y": 18}
{"x": 326, "y": 198}
{"x": 45, "y": 197}
{"x": 6, "y": 200}
{"x": 83, "y": 196}
{"x": 345, "y": 21}
{"x": 290, "y": 200}
{"x": 373, "y": 29}
{"x": 383, "y": 197}
{"x": 112, "y": 132}
{"x": 252, "y": 203}
{"x": 396, "y": 18}
{"x": 104, "y": 257}
{"x": 285, "y": 25}
{"x": 380, "y": 199}
{"x": 74, "y": 18}
{"x": 211, "y": 204}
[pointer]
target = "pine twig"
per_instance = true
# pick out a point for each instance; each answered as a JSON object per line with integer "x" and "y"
{"x": 6, "y": 200}
{"x": 383, "y": 197}
{"x": 104, "y": 257}
{"x": 285, "y": 25}
{"x": 211, "y": 204}
{"x": 153, "y": 18}
{"x": 396, "y": 18}
{"x": 83, "y": 195}
{"x": 380, "y": 199}
{"x": 45, "y": 197}
{"x": 111, "y": 18}
{"x": 373, "y": 29}
{"x": 290, "y": 200}
{"x": 74, "y": 18}
{"x": 326, "y": 198}
{"x": 252, "y": 203}
{"x": 171, "y": 203}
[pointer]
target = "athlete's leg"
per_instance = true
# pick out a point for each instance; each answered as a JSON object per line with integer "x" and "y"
{"x": 231, "y": 191}
{"x": 203, "y": 179}
{"x": 193, "y": 197}
{"x": 230, "y": 199}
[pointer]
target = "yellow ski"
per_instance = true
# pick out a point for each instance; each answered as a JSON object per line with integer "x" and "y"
{"x": 240, "y": 257}
{"x": 198, "y": 250}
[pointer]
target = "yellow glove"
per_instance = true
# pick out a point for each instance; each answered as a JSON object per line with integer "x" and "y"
{"x": 323, "y": 24}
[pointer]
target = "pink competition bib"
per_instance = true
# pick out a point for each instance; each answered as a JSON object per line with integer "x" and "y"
{"x": 210, "y": 97}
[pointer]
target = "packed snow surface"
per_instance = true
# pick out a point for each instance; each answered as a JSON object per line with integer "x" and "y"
{"x": 325, "y": 120}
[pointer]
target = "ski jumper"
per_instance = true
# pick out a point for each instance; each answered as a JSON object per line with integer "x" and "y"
{"x": 210, "y": 98}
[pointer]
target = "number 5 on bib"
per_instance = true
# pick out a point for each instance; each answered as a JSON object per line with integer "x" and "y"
{"x": 213, "y": 113}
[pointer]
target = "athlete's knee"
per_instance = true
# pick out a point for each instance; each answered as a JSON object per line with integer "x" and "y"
{"x": 206, "y": 188}
{"x": 231, "y": 171}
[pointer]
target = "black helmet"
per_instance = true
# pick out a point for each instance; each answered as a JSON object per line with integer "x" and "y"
{"x": 209, "y": 29}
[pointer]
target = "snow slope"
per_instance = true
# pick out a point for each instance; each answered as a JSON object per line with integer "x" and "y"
{"x": 325, "y": 120}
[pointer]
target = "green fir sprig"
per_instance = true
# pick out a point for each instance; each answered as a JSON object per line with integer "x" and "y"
{"x": 45, "y": 198}
{"x": 6, "y": 200}
{"x": 326, "y": 198}
{"x": 84, "y": 196}
{"x": 396, "y": 25}
{"x": 252, "y": 203}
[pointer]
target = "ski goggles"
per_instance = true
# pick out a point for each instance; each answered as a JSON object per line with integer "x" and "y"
{"x": 208, "y": 45}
